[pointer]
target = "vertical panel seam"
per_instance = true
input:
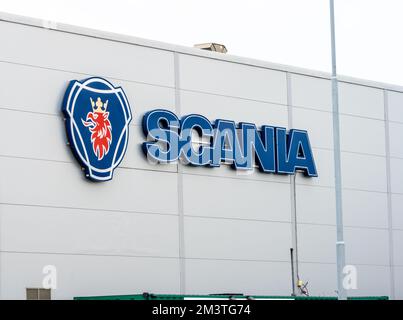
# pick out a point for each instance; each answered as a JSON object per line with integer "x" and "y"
{"x": 389, "y": 197}
{"x": 181, "y": 223}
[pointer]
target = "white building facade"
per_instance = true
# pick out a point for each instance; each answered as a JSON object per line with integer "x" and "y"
{"x": 182, "y": 229}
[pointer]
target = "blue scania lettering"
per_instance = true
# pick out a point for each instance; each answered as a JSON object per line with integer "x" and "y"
{"x": 294, "y": 152}
{"x": 272, "y": 149}
{"x": 225, "y": 145}
{"x": 261, "y": 144}
{"x": 203, "y": 128}
{"x": 162, "y": 126}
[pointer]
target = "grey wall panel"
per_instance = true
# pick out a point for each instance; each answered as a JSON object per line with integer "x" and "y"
{"x": 72, "y": 231}
{"x": 395, "y": 106}
{"x": 237, "y": 239}
{"x": 365, "y": 209}
{"x": 40, "y": 136}
{"x": 361, "y": 101}
{"x": 59, "y": 50}
{"x": 82, "y": 275}
{"x": 320, "y": 277}
{"x": 41, "y": 90}
{"x": 398, "y": 247}
{"x": 398, "y": 282}
{"x": 317, "y": 123}
{"x": 397, "y": 211}
{"x": 395, "y": 136}
{"x": 48, "y": 140}
{"x": 225, "y": 170}
{"x": 232, "y": 79}
{"x": 311, "y": 92}
{"x": 315, "y": 205}
{"x": 312, "y": 250}
{"x": 325, "y": 166}
{"x": 63, "y": 184}
{"x": 363, "y": 172}
{"x": 372, "y": 281}
{"x": 235, "y": 198}
{"x": 33, "y": 89}
{"x": 396, "y": 168}
{"x": 247, "y": 277}
{"x": 366, "y": 246}
{"x": 362, "y": 135}
{"x": 239, "y": 110}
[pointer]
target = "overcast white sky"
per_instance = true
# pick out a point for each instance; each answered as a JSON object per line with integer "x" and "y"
{"x": 295, "y": 32}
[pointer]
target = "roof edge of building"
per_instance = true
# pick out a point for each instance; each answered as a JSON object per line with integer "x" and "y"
{"x": 106, "y": 35}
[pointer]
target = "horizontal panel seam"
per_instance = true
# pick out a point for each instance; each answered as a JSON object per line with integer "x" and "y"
{"x": 183, "y": 89}
{"x": 355, "y": 264}
{"x": 235, "y": 219}
{"x": 188, "y": 173}
{"x": 87, "y": 254}
{"x": 177, "y": 258}
{"x": 122, "y": 167}
{"x": 330, "y": 112}
{"x": 136, "y": 256}
{"x": 346, "y": 226}
{"x": 86, "y": 74}
{"x": 117, "y": 211}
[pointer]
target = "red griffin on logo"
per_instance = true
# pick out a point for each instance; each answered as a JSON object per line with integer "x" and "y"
{"x": 100, "y": 127}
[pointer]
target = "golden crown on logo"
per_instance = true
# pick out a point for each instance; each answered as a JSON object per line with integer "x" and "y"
{"x": 99, "y": 106}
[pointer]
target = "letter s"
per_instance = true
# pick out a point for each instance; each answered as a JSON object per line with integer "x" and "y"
{"x": 161, "y": 129}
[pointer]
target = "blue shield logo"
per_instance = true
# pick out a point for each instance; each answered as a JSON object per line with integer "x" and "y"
{"x": 97, "y": 117}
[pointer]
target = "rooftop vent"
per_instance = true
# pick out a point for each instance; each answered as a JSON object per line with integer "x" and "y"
{"x": 212, "y": 47}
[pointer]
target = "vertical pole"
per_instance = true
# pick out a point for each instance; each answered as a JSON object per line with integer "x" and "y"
{"x": 181, "y": 222}
{"x": 340, "y": 246}
{"x": 294, "y": 291}
{"x": 293, "y": 201}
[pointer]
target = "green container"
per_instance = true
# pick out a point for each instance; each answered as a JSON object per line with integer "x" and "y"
{"x": 151, "y": 296}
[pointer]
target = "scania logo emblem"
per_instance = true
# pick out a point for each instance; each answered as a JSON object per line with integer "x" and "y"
{"x": 97, "y": 117}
